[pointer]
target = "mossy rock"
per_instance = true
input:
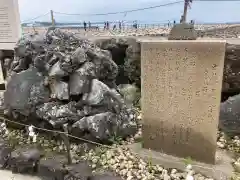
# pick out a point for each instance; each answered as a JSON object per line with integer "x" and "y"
{"x": 183, "y": 31}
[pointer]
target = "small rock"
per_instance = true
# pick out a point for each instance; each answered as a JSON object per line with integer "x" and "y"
{"x": 25, "y": 160}
{"x": 53, "y": 167}
{"x": 78, "y": 171}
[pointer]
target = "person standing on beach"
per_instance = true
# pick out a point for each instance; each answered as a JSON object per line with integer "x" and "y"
{"x": 114, "y": 26}
{"x": 107, "y": 25}
{"x": 120, "y": 25}
{"x": 85, "y": 26}
{"x": 89, "y": 25}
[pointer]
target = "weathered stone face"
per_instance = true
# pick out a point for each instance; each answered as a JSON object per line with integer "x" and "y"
{"x": 181, "y": 90}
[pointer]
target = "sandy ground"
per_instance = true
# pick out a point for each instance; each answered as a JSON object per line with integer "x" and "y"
{"x": 142, "y": 31}
{"x": 8, "y": 175}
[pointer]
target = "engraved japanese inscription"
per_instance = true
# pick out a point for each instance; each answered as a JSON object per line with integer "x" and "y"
{"x": 181, "y": 86}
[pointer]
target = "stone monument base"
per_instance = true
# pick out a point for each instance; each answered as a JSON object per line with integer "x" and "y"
{"x": 7, "y": 46}
{"x": 222, "y": 170}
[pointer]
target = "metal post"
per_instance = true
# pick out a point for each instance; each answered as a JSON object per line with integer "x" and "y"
{"x": 184, "y": 16}
{"x": 52, "y": 18}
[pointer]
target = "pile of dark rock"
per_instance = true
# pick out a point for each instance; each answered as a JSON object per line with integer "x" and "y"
{"x": 58, "y": 78}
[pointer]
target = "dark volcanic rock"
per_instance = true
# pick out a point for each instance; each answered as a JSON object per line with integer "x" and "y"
{"x": 5, "y": 153}
{"x": 59, "y": 90}
{"x": 58, "y": 114}
{"x": 80, "y": 171}
{"x": 56, "y": 70}
{"x": 24, "y": 160}
{"x": 231, "y": 74}
{"x": 53, "y": 167}
{"x": 105, "y": 125}
{"x": 229, "y": 121}
{"x": 59, "y": 78}
{"x": 80, "y": 80}
{"x": 98, "y": 125}
{"x": 79, "y": 56}
{"x": 96, "y": 95}
{"x": 25, "y": 90}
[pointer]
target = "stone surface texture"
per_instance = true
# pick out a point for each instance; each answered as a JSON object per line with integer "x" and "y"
{"x": 229, "y": 120}
{"x": 181, "y": 90}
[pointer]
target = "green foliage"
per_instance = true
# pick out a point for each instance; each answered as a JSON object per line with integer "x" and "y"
{"x": 131, "y": 94}
{"x": 188, "y": 160}
{"x": 116, "y": 139}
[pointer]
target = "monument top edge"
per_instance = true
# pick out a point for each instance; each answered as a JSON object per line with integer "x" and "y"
{"x": 189, "y": 41}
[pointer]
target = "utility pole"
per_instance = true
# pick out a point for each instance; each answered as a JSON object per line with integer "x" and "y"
{"x": 52, "y": 18}
{"x": 184, "y": 16}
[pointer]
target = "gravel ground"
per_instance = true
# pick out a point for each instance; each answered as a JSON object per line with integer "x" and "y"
{"x": 121, "y": 160}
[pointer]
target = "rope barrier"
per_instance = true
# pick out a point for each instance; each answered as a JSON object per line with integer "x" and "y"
{"x": 82, "y": 139}
{"x": 54, "y": 131}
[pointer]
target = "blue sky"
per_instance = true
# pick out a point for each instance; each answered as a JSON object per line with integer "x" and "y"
{"x": 201, "y": 11}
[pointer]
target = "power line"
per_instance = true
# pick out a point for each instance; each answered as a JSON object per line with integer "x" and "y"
{"x": 122, "y": 12}
{"x": 28, "y": 20}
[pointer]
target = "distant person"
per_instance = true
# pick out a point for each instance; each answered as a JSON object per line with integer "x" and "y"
{"x": 135, "y": 25}
{"x": 85, "y": 26}
{"x": 120, "y": 25}
{"x": 107, "y": 25}
{"x": 89, "y": 25}
{"x": 174, "y": 22}
{"x": 123, "y": 25}
{"x": 114, "y": 26}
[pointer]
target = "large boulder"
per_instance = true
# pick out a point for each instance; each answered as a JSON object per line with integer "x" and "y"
{"x": 80, "y": 80}
{"x": 5, "y": 153}
{"x": 25, "y": 90}
{"x": 25, "y": 160}
{"x": 58, "y": 114}
{"x": 53, "y": 167}
{"x": 105, "y": 125}
{"x": 229, "y": 120}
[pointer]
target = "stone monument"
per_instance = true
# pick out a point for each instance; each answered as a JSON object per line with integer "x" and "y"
{"x": 10, "y": 29}
{"x": 10, "y": 26}
{"x": 181, "y": 92}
